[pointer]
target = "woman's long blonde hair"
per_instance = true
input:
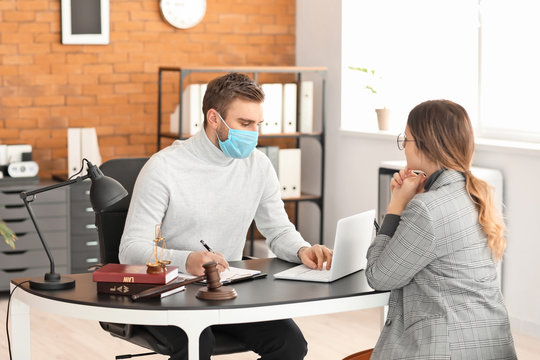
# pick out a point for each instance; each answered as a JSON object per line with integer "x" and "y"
{"x": 444, "y": 134}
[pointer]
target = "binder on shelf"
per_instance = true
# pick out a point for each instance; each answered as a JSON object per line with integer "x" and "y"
{"x": 289, "y": 107}
{"x": 191, "y": 109}
{"x": 174, "y": 120}
{"x": 273, "y": 154}
{"x": 82, "y": 143}
{"x": 306, "y": 107}
{"x": 272, "y": 109}
{"x": 289, "y": 172}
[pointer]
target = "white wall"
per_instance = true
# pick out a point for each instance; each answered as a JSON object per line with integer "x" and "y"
{"x": 352, "y": 166}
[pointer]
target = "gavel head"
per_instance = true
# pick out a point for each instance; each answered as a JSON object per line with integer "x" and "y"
{"x": 211, "y": 272}
{"x": 214, "y": 290}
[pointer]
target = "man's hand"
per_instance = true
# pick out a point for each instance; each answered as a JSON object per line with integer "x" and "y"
{"x": 196, "y": 259}
{"x": 314, "y": 256}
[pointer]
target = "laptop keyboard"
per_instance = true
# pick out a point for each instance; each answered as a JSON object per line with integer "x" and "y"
{"x": 303, "y": 272}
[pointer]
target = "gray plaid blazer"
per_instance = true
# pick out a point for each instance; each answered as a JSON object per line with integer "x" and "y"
{"x": 445, "y": 301}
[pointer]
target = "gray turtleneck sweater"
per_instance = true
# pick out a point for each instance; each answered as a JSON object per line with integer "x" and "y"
{"x": 197, "y": 192}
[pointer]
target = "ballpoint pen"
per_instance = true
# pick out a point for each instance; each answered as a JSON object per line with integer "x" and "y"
{"x": 207, "y": 247}
{"x": 377, "y": 227}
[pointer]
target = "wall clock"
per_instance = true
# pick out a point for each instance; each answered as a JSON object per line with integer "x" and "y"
{"x": 183, "y": 14}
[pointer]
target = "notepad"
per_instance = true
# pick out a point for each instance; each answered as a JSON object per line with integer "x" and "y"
{"x": 231, "y": 274}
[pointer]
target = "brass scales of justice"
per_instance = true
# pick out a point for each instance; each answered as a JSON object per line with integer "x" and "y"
{"x": 156, "y": 264}
{"x": 213, "y": 291}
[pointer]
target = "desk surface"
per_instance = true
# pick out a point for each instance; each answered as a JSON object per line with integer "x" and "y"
{"x": 262, "y": 292}
{"x": 258, "y": 300}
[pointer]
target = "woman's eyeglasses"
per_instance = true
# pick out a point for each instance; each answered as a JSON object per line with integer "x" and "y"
{"x": 401, "y": 140}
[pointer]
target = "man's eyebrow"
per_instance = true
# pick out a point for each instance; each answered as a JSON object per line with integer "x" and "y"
{"x": 246, "y": 119}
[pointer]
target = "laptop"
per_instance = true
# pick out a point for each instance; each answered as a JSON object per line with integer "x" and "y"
{"x": 353, "y": 237}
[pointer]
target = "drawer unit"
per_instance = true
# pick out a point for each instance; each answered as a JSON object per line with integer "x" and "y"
{"x": 51, "y": 212}
{"x": 84, "y": 236}
{"x": 7, "y": 274}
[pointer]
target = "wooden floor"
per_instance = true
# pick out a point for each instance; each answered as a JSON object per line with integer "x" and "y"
{"x": 329, "y": 337}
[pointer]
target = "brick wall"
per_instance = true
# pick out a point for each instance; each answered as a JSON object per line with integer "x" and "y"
{"x": 47, "y": 87}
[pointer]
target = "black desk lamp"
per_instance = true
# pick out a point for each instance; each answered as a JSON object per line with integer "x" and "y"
{"x": 104, "y": 192}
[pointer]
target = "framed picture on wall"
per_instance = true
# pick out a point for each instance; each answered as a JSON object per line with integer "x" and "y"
{"x": 85, "y": 22}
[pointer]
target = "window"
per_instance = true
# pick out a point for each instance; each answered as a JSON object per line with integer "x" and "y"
{"x": 481, "y": 55}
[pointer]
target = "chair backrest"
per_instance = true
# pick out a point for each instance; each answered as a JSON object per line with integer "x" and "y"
{"x": 110, "y": 221}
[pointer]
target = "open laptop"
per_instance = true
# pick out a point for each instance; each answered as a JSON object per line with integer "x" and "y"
{"x": 353, "y": 237}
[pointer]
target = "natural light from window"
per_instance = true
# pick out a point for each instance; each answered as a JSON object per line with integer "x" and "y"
{"x": 480, "y": 54}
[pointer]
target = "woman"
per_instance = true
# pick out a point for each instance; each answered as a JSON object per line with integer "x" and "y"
{"x": 437, "y": 247}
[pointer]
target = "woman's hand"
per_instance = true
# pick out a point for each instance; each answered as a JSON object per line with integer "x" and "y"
{"x": 404, "y": 185}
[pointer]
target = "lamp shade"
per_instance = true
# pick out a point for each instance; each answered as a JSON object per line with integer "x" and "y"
{"x": 104, "y": 191}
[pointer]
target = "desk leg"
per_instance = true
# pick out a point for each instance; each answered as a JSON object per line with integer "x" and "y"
{"x": 20, "y": 329}
{"x": 193, "y": 334}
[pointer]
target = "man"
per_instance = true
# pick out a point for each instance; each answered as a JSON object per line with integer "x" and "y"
{"x": 211, "y": 187}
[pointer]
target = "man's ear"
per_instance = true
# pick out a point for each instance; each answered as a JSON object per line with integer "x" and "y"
{"x": 212, "y": 118}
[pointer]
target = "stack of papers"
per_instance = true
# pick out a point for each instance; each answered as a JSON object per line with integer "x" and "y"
{"x": 232, "y": 274}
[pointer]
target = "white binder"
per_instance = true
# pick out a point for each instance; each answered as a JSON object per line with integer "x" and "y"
{"x": 272, "y": 109}
{"x": 306, "y": 107}
{"x": 82, "y": 143}
{"x": 289, "y": 172}
{"x": 191, "y": 109}
{"x": 174, "y": 120}
{"x": 289, "y": 108}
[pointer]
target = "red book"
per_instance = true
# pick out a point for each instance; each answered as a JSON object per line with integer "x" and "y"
{"x": 124, "y": 273}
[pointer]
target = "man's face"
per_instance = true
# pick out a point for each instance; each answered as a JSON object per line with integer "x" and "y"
{"x": 241, "y": 115}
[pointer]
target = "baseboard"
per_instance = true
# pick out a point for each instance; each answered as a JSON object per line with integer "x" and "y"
{"x": 525, "y": 327}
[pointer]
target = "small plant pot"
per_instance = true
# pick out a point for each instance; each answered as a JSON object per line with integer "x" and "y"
{"x": 383, "y": 118}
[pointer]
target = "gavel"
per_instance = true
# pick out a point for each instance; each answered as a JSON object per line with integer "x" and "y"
{"x": 213, "y": 290}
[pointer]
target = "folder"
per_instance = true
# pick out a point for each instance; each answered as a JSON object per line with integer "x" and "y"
{"x": 272, "y": 152}
{"x": 289, "y": 172}
{"x": 202, "y": 91}
{"x": 272, "y": 109}
{"x": 191, "y": 109}
{"x": 289, "y": 107}
{"x": 174, "y": 120}
{"x": 74, "y": 150}
{"x": 306, "y": 107}
{"x": 82, "y": 143}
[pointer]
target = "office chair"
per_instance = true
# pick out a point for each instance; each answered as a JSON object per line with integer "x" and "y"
{"x": 110, "y": 224}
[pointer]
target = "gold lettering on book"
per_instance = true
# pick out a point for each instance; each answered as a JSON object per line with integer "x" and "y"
{"x": 129, "y": 279}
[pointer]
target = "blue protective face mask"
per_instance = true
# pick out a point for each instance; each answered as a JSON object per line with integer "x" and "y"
{"x": 240, "y": 143}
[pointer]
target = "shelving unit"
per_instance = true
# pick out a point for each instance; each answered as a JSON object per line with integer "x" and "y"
{"x": 298, "y": 73}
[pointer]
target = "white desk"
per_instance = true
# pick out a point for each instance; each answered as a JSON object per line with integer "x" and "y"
{"x": 259, "y": 300}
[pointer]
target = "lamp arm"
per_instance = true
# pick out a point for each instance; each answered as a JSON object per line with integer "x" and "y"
{"x": 26, "y": 194}
{"x": 45, "y": 247}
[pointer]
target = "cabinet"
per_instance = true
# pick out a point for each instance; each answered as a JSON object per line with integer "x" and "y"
{"x": 84, "y": 237}
{"x": 29, "y": 259}
{"x": 172, "y": 81}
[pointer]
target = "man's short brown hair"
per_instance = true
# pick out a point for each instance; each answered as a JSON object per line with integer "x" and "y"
{"x": 222, "y": 91}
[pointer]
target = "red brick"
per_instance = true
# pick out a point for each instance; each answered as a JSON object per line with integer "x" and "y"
{"x": 33, "y": 5}
{"x": 21, "y": 123}
{"x": 19, "y": 16}
{"x": 50, "y": 100}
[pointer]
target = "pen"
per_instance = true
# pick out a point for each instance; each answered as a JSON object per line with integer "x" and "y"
{"x": 377, "y": 227}
{"x": 207, "y": 247}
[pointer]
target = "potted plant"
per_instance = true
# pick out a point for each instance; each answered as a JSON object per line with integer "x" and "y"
{"x": 7, "y": 234}
{"x": 383, "y": 114}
